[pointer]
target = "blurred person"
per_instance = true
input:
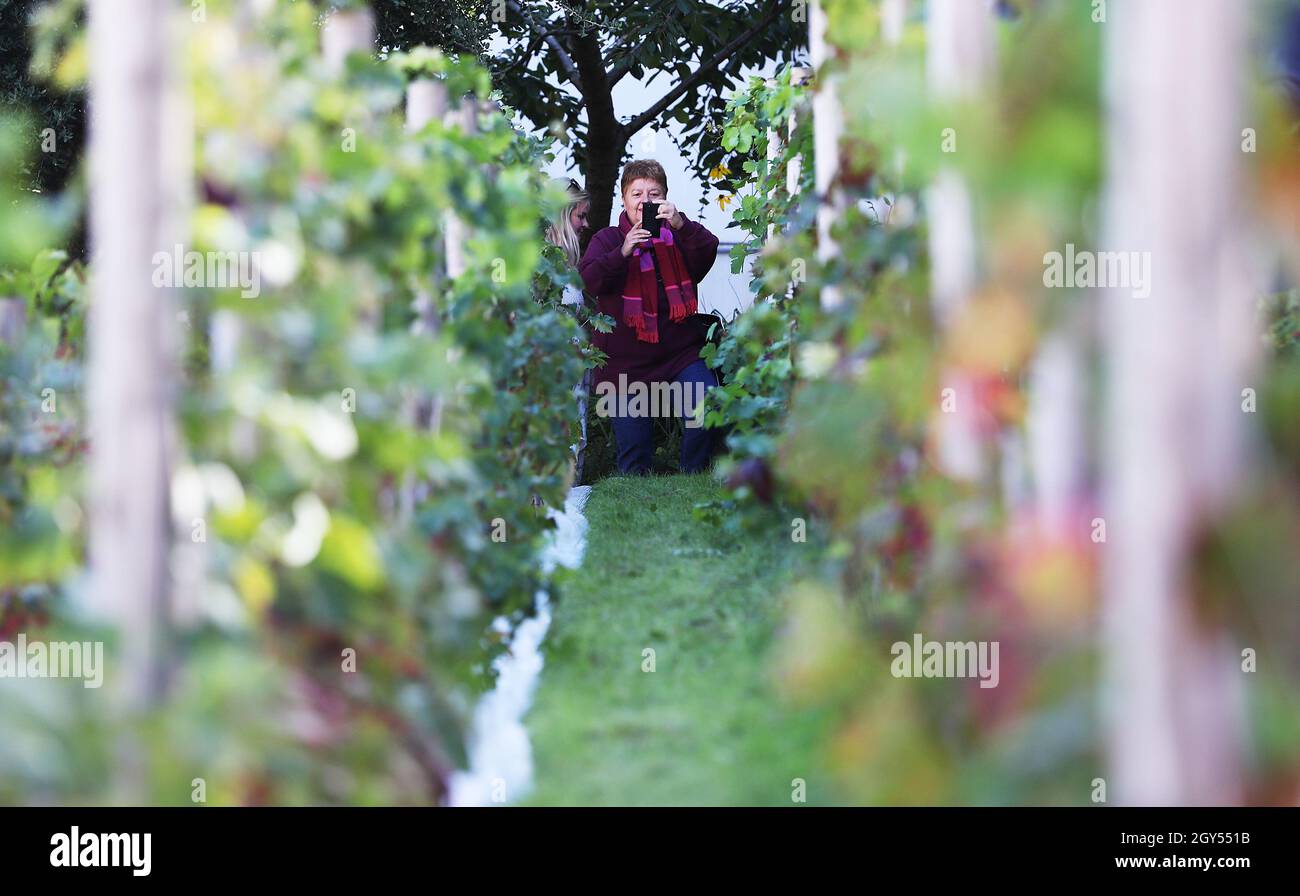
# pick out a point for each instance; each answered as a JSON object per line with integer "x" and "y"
{"x": 648, "y": 286}
{"x": 565, "y": 231}
{"x": 567, "y": 228}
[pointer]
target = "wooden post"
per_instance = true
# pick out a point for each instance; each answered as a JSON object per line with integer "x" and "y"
{"x": 773, "y": 151}
{"x": 828, "y": 126}
{"x": 426, "y": 100}
{"x": 346, "y": 31}
{"x": 893, "y": 17}
{"x": 466, "y": 115}
{"x": 959, "y": 41}
{"x": 130, "y": 371}
{"x": 1178, "y": 351}
{"x": 959, "y": 58}
{"x": 13, "y": 321}
{"x": 486, "y": 108}
{"x": 799, "y": 76}
{"x": 1055, "y": 435}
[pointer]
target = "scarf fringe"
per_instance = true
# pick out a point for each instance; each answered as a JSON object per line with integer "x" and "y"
{"x": 633, "y": 314}
{"x": 640, "y": 277}
{"x": 649, "y": 331}
{"x": 679, "y": 309}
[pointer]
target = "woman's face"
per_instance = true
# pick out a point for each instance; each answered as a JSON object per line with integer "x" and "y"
{"x": 578, "y": 217}
{"x": 643, "y": 189}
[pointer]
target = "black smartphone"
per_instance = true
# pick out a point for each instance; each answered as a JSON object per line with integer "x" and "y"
{"x": 650, "y": 218}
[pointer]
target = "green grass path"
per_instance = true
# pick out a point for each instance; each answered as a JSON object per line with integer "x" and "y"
{"x": 704, "y": 728}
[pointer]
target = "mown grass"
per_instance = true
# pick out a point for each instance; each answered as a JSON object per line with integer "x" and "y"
{"x": 703, "y": 728}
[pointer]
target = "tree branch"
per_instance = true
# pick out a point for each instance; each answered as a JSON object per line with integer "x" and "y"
{"x": 617, "y": 72}
{"x": 625, "y": 64}
{"x": 705, "y": 68}
{"x": 556, "y": 47}
{"x": 523, "y": 57}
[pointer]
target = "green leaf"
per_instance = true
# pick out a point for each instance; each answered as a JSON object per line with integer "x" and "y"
{"x": 349, "y": 551}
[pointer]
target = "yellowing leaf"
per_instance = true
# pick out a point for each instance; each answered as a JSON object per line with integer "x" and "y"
{"x": 72, "y": 69}
{"x": 350, "y": 552}
{"x": 255, "y": 584}
{"x": 817, "y": 648}
{"x": 993, "y": 332}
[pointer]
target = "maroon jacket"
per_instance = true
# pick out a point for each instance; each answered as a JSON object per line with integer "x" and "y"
{"x": 604, "y": 271}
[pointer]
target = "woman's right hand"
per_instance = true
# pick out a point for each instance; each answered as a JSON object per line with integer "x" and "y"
{"x": 634, "y": 236}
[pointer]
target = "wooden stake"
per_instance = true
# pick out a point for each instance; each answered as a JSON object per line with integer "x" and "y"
{"x": 345, "y": 32}
{"x": 1178, "y": 352}
{"x": 828, "y": 126}
{"x": 130, "y": 369}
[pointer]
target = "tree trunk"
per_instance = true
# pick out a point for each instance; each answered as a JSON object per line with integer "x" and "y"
{"x": 606, "y": 137}
{"x": 604, "y": 161}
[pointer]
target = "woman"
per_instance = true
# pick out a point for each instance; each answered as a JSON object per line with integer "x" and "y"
{"x": 649, "y": 287}
{"x": 565, "y": 231}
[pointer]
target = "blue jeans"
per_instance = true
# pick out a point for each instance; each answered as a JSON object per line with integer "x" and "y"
{"x": 635, "y": 435}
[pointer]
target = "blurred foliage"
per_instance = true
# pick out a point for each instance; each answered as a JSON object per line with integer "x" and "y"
{"x": 837, "y": 418}
{"x": 32, "y": 33}
{"x": 755, "y": 358}
{"x": 640, "y": 41}
{"x": 348, "y": 469}
{"x": 367, "y": 447}
{"x": 42, "y": 302}
{"x": 28, "y": 225}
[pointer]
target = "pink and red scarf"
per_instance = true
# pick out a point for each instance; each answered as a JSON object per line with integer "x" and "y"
{"x": 640, "y": 312}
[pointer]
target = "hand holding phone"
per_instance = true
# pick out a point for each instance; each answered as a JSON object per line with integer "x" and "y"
{"x": 650, "y": 218}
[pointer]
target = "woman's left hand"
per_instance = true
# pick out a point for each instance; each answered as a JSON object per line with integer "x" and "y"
{"x": 669, "y": 212}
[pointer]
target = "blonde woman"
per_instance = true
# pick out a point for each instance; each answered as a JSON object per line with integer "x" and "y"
{"x": 565, "y": 231}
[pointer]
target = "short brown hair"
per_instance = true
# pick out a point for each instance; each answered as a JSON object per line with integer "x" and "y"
{"x": 647, "y": 168}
